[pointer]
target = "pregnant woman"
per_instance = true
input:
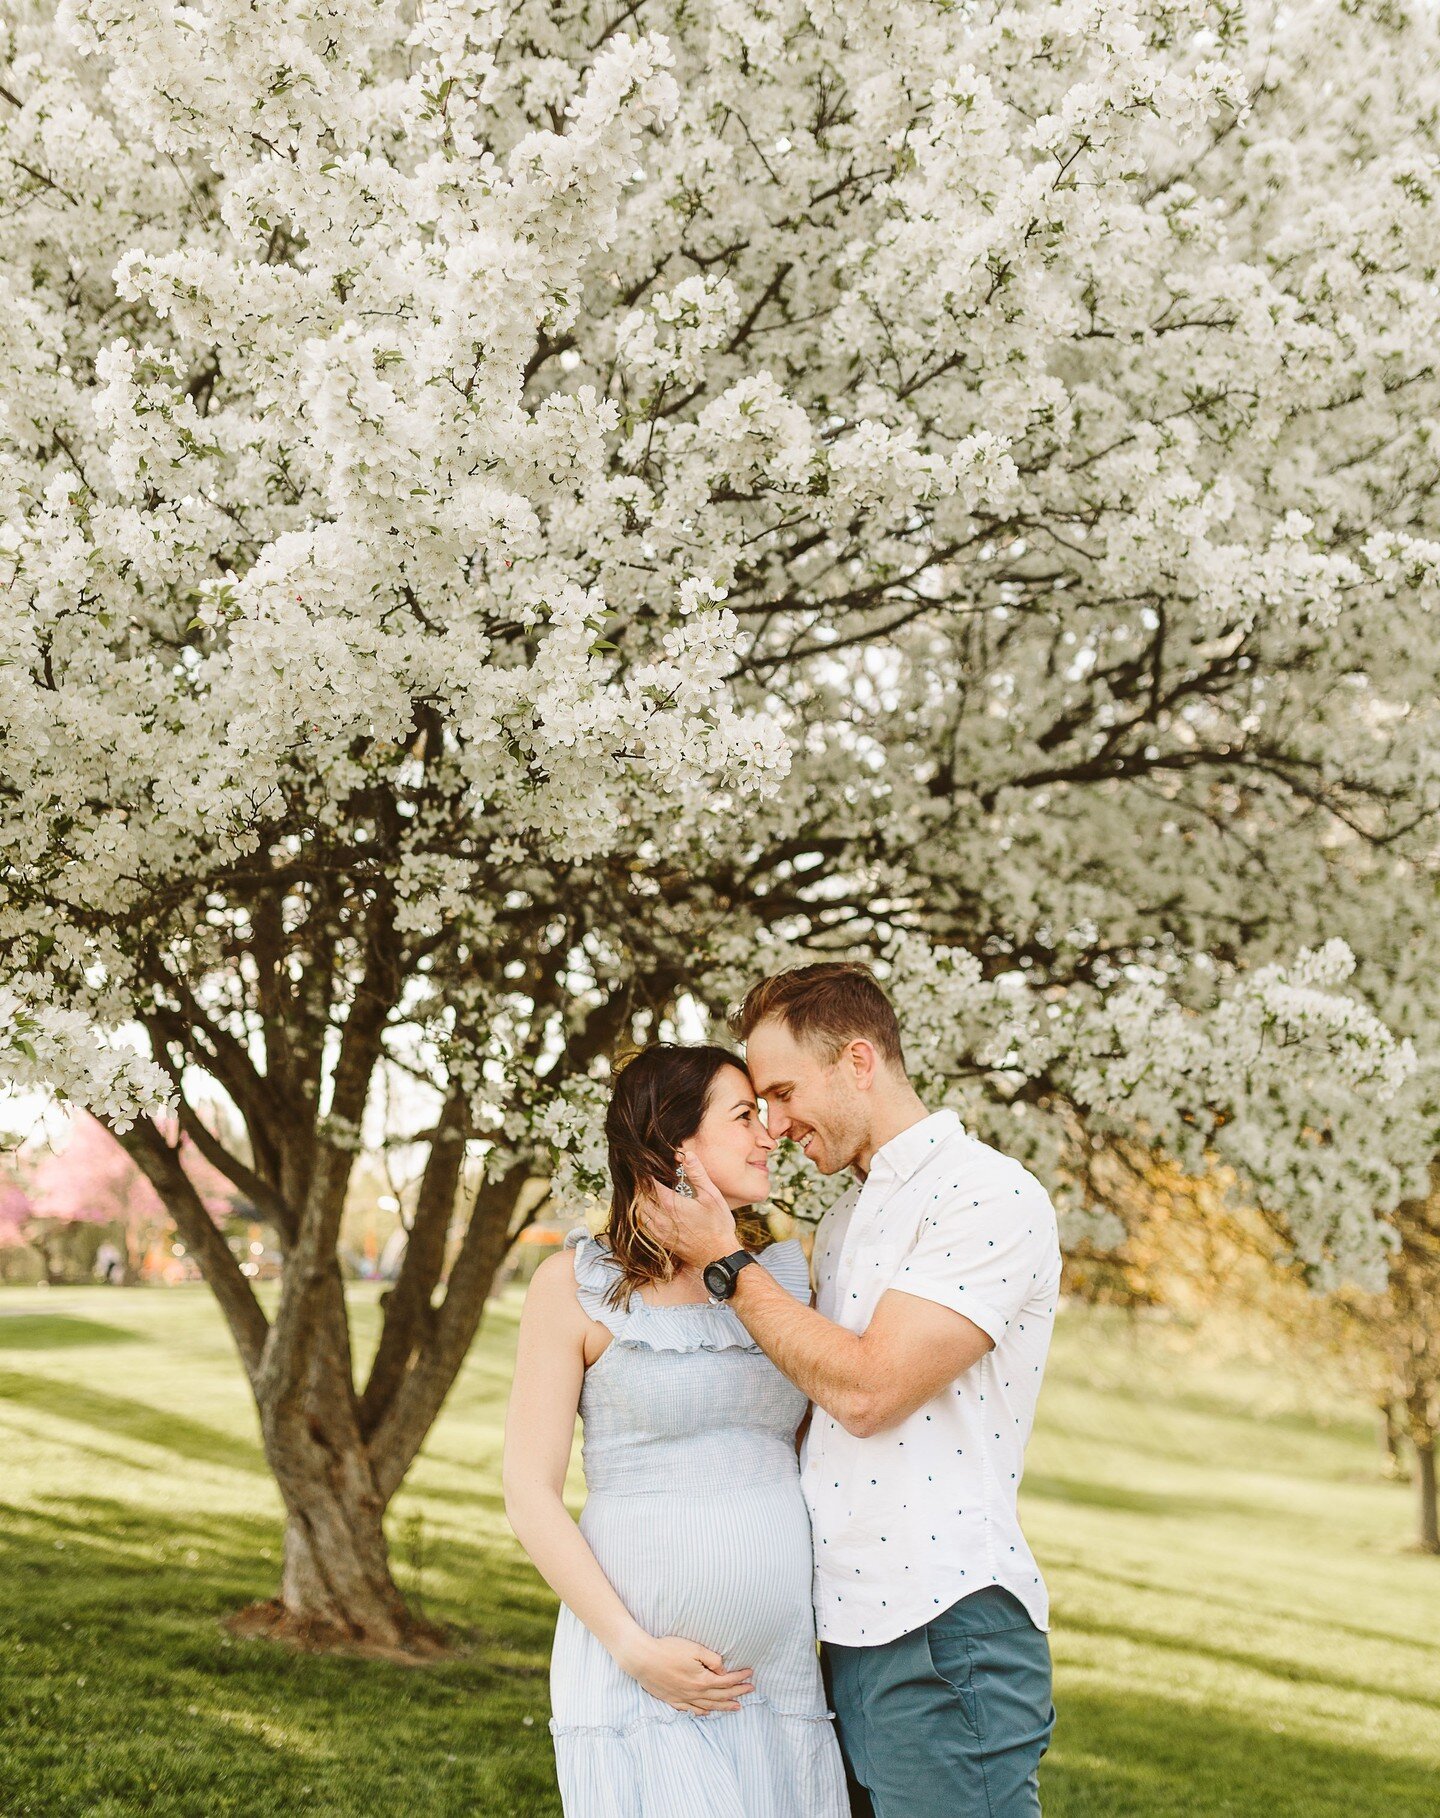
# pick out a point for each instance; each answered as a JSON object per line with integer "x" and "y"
{"x": 684, "y": 1681}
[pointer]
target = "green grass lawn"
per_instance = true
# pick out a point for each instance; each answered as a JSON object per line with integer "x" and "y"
{"x": 1239, "y": 1627}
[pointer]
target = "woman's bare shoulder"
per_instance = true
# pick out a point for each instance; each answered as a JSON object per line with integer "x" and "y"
{"x": 554, "y": 1280}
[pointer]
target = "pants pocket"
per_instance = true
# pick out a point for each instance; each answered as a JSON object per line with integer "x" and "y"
{"x": 991, "y": 1655}
{"x": 952, "y": 1665}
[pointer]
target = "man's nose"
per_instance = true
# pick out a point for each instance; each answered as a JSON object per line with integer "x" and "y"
{"x": 765, "y": 1139}
{"x": 776, "y": 1122}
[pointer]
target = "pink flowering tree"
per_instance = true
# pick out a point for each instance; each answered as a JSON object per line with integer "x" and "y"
{"x": 88, "y": 1178}
{"x": 15, "y": 1214}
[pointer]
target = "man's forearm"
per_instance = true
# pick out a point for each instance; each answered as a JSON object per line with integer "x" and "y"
{"x": 823, "y": 1359}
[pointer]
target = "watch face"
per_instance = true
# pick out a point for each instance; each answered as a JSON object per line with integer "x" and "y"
{"x": 717, "y": 1278}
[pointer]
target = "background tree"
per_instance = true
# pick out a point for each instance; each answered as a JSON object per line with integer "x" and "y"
{"x": 1225, "y": 1273}
{"x": 516, "y": 517}
{"x": 1402, "y": 1329}
{"x": 89, "y": 1179}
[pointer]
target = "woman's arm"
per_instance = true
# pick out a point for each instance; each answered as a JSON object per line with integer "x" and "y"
{"x": 539, "y": 1432}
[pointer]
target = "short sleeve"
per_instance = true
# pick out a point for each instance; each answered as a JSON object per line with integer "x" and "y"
{"x": 987, "y": 1249}
{"x": 790, "y": 1266}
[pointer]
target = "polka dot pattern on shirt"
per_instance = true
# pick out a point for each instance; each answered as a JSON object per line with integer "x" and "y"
{"x": 935, "y": 1215}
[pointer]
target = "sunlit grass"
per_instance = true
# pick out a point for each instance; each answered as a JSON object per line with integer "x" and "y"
{"x": 1239, "y": 1626}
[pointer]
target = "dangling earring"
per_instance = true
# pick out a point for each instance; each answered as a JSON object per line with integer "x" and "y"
{"x": 682, "y": 1183}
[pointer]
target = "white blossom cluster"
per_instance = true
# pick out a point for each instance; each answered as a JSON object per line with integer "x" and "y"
{"x": 571, "y": 1125}
{"x": 58, "y": 1051}
{"x": 1261, "y": 1077}
{"x": 607, "y": 498}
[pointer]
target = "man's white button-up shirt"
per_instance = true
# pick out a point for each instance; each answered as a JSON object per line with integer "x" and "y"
{"x": 908, "y": 1521}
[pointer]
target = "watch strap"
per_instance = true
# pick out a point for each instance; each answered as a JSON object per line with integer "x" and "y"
{"x": 732, "y": 1265}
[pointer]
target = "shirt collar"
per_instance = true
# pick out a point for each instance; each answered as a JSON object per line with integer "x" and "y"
{"x": 903, "y": 1154}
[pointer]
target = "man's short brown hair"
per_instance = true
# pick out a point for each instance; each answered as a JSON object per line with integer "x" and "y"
{"x": 825, "y": 1005}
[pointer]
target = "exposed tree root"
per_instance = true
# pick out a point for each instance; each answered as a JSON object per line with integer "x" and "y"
{"x": 422, "y": 1643}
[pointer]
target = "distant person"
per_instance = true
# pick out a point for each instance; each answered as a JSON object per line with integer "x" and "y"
{"x": 684, "y": 1678}
{"x": 109, "y": 1264}
{"x": 937, "y": 1273}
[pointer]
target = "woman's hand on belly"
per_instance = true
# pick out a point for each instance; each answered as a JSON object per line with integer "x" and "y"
{"x": 685, "y": 1675}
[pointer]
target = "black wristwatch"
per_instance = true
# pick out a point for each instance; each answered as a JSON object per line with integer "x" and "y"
{"x": 719, "y": 1277}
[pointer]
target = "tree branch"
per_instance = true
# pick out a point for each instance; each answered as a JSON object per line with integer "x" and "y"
{"x": 160, "y": 1164}
{"x": 408, "y": 1313}
{"x": 312, "y": 1260}
{"x": 412, "y": 1410}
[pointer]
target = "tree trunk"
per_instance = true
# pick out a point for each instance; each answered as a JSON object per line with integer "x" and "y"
{"x": 339, "y": 1457}
{"x": 1420, "y": 1408}
{"x": 1396, "y": 1468}
{"x": 1429, "y": 1516}
{"x": 336, "y": 1587}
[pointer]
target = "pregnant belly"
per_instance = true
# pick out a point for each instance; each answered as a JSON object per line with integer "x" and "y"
{"x": 732, "y": 1572}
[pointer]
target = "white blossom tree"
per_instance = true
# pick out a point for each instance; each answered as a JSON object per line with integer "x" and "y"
{"x": 511, "y": 517}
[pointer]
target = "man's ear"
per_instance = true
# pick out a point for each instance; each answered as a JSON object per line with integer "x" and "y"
{"x": 864, "y": 1061}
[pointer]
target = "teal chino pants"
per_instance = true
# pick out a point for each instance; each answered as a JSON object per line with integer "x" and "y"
{"x": 949, "y": 1721}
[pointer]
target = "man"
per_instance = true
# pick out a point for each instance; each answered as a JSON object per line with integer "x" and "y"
{"x": 936, "y": 1277}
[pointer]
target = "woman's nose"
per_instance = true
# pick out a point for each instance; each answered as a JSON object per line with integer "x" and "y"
{"x": 764, "y": 1138}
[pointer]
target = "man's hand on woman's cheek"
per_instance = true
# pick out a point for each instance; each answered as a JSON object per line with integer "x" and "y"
{"x": 696, "y": 1231}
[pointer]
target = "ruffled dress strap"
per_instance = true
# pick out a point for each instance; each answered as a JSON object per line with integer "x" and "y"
{"x": 790, "y": 1266}
{"x": 705, "y": 1325}
{"x": 596, "y": 1272}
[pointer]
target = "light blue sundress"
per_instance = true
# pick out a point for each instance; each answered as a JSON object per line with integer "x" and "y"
{"x": 696, "y": 1517}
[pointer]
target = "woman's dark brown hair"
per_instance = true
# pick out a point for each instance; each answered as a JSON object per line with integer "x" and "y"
{"x": 659, "y": 1103}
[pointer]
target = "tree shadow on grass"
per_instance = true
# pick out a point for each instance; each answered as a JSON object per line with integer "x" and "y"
{"x": 1147, "y": 1757}
{"x": 1250, "y": 1608}
{"x": 1148, "y": 1398}
{"x": 119, "y": 1417}
{"x": 1276, "y": 1666}
{"x": 482, "y": 1501}
{"x": 125, "y": 1694}
{"x": 59, "y": 1332}
{"x": 1127, "y": 1500}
